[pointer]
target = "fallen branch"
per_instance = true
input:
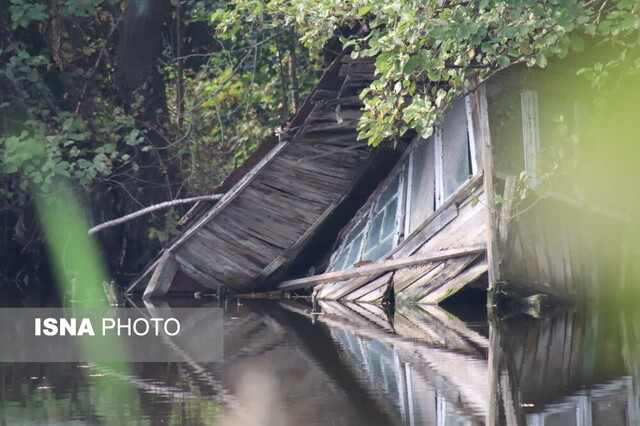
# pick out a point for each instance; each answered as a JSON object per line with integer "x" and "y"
{"x": 146, "y": 210}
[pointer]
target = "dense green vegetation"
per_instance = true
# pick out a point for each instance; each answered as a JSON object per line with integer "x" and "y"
{"x": 142, "y": 101}
{"x": 133, "y": 103}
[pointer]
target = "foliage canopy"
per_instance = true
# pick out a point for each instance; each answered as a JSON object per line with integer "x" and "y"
{"x": 427, "y": 50}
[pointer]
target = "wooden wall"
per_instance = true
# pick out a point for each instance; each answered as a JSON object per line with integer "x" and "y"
{"x": 560, "y": 248}
{"x": 459, "y": 222}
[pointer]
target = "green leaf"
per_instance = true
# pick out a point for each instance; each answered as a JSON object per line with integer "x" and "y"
{"x": 507, "y": 32}
{"x": 504, "y": 61}
{"x": 363, "y": 11}
{"x": 412, "y": 64}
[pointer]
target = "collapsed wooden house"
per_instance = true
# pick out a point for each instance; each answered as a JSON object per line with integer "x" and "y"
{"x": 446, "y": 215}
{"x": 278, "y": 201}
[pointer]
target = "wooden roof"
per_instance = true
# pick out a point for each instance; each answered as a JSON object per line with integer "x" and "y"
{"x": 273, "y": 205}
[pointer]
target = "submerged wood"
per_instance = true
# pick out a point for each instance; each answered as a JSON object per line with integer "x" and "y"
{"x": 385, "y": 266}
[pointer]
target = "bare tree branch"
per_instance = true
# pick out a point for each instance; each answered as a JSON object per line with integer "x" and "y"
{"x": 146, "y": 210}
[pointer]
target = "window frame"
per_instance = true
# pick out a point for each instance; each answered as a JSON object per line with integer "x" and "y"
{"x": 438, "y": 148}
{"x": 404, "y": 172}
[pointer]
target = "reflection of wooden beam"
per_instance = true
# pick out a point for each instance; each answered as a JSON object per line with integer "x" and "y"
{"x": 378, "y": 268}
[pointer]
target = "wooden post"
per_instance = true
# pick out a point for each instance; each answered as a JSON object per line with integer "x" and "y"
{"x": 162, "y": 277}
{"x": 505, "y": 212}
{"x": 480, "y": 117}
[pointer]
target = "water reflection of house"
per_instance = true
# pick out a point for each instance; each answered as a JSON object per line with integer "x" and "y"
{"x": 419, "y": 365}
{"x": 431, "y": 368}
{"x": 448, "y": 211}
{"x": 426, "y": 368}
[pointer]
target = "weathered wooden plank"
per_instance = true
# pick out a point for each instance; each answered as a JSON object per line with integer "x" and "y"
{"x": 216, "y": 254}
{"x": 273, "y": 202}
{"x": 348, "y": 59}
{"x": 419, "y": 238}
{"x": 467, "y": 228}
{"x": 335, "y": 114}
{"x": 335, "y": 137}
{"x": 384, "y": 266}
{"x": 247, "y": 248}
{"x": 343, "y": 288}
{"x": 321, "y": 290}
{"x": 331, "y": 169}
{"x": 349, "y": 125}
{"x": 455, "y": 284}
{"x": 530, "y": 134}
{"x": 480, "y": 118}
{"x": 327, "y": 152}
{"x": 333, "y": 156}
{"x": 372, "y": 285}
{"x": 295, "y": 249}
{"x": 350, "y": 101}
{"x": 505, "y": 212}
{"x": 217, "y": 237}
{"x": 422, "y": 287}
{"x": 376, "y": 291}
{"x": 162, "y": 276}
{"x": 196, "y": 274}
{"x": 218, "y": 263}
{"x": 314, "y": 197}
{"x": 260, "y": 227}
{"x": 461, "y": 196}
{"x": 316, "y": 194}
{"x": 284, "y": 172}
{"x": 403, "y": 278}
{"x": 230, "y": 195}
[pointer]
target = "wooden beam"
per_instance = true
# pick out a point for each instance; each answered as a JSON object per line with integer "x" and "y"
{"x": 378, "y": 268}
{"x": 480, "y": 117}
{"x": 505, "y": 212}
{"x": 162, "y": 277}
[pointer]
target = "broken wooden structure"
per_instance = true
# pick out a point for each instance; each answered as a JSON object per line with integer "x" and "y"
{"x": 275, "y": 204}
{"x": 449, "y": 212}
{"x": 475, "y": 206}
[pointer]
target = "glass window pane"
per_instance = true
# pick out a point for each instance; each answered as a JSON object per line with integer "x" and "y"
{"x": 505, "y": 126}
{"x": 379, "y": 251}
{"x": 389, "y": 224}
{"x": 390, "y": 192}
{"x": 354, "y": 252}
{"x": 375, "y": 231}
{"x": 422, "y": 184}
{"x": 455, "y": 147}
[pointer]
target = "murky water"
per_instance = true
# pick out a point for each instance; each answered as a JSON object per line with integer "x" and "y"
{"x": 357, "y": 364}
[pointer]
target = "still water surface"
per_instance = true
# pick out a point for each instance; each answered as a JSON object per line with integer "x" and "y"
{"x": 356, "y": 364}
